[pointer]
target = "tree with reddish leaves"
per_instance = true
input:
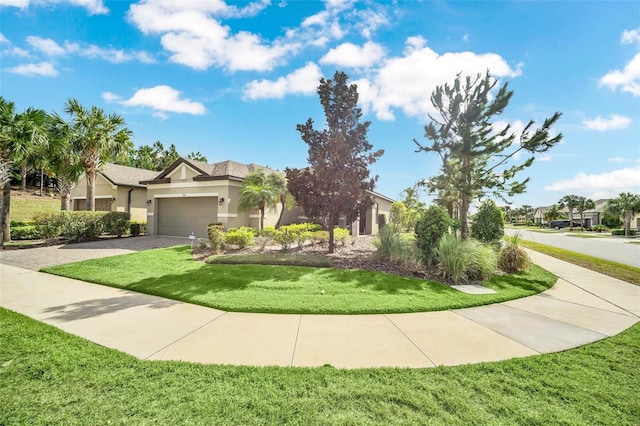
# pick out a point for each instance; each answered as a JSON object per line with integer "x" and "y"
{"x": 337, "y": 180}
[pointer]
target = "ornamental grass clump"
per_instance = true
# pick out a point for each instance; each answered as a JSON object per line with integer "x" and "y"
{"x": 464, "y": 261}
{"x": 512, "y": 257}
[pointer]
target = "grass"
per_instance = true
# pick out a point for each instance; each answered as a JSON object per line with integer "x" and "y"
{"x": 50, "y": 377}
{"x": 585, "y": 236}
{"x": 633, "y": 242}
{"x": 173, "y": 274}
{"x": 617, "y": 270}
{"x": 24, "y": 209}
{"x": 290, "y": 259}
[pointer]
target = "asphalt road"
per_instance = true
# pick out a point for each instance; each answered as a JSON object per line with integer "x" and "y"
{"x": 616, "y": 249}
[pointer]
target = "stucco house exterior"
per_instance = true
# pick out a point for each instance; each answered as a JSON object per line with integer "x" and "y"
{"x": 189, "y": 195}
{"x": 118, "y": 189}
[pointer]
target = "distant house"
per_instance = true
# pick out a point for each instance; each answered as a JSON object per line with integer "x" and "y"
{"x": 118, "y": 189}
{"x": 538, "y": 215}
{"x": 189, "y": 195}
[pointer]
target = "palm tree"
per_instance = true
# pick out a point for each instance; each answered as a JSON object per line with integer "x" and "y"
{"x": 553, "y": 213}
{"x": 7, "y": 126}
{"x": 279, "y": 184}
{"x": 570, "y": 202}
{"x": 98, "y": 138}
{"x": 626, "y": 205}
{"x": 261, "y": 192}
{"x": 29, "y": 132}
{"x": 63, "y": 162}
{"x": 584, "y": 204}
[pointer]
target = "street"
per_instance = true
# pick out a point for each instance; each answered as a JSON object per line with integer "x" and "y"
{"x": 615, "y": 249}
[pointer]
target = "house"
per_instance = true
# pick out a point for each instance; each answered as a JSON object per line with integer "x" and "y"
{"x": 538, "y": 215}
{"x": 118, "y": 189}
{"x": 189, "y": 195}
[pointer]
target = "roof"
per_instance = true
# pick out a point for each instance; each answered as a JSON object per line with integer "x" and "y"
{"x": 223, "y": 170}
{"x": 125, "y": 175}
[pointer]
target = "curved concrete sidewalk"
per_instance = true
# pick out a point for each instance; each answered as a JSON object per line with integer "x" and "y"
{"x": 581, "y": 308}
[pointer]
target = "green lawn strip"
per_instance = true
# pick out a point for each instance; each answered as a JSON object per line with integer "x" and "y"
{"x": 50, "y": 377}
{"x": 171, "y": 273}
{"x": 633, "y": 242}
{"x": 617, "y": 270}
{"x": 272, "y": 259}
{"x": 585, "y": 236}
{"x": 23, "y": 210}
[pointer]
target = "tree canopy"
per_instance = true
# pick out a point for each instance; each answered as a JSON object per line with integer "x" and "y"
{"x": 475, "y": 155}
{"x": 626, "y": 206}
{"x": 261, "y": 191}
{"x": 338, "y": 178}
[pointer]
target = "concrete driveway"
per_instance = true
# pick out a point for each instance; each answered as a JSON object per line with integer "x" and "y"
{"x": 37, "y": 258}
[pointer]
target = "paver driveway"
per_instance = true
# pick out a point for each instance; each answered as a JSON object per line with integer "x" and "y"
{"x": 37, "y": 258}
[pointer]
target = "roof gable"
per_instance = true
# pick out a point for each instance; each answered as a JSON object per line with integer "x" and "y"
{"x": 117, "y": 174}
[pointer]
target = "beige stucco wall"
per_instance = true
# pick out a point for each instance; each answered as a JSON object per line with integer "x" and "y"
{"x": 104, "y": 189}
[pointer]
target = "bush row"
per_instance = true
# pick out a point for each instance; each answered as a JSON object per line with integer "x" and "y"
{"x": 621, "y": 231}
{"x": 78, "y": 226}
{"x": 285, "y": 236}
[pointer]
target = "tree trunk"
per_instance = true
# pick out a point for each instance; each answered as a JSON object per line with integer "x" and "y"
{"x": 261, "y": 218}
{"x": 284, "y": 205}
{"x": 331, "y": 242}
{"x": 64, "y": 202}
{"x": 23, "y": 176}
{"x": 464, "y": 211}
{"x": 4, "y": 219}
{"x": 91, "y": 190}
{"x": 628, "y": 216}
{"x": 570, "y": 219}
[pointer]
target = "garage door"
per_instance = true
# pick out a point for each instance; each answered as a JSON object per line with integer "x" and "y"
{"x": 182, "y": 216}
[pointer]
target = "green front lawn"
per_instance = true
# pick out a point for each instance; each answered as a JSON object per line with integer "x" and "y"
{"x": 173, "y": 274}
{"x": 50, "y": 377}
{"x": 24, "y": 209}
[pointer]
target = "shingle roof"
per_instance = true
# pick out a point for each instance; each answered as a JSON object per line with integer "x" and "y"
{"x": 125, "y": 175}
{"x": 222, "y": 169}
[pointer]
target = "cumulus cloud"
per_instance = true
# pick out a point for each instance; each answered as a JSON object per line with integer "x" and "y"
{"x": 94, "y": 7}
{"x": 46, "y": 46}
{"x": 162, "y": 99}
{"x": 301, "y": 81}
{"x": 44, "y": 69}
{"x": 618, "y": 160}
{"x": 630, "y": 36}
{"x": 627, "y": 79}
{"x": 192, "y": 32}
{"x": 601, "y": 124}
{"x": 600, "y": 185}
{"x": 4, "y": 40}
{"x": 406, "y": 82}
{"x": 352, "y": 56}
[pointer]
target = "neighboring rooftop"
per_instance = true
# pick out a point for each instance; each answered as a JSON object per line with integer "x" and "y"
{"x": 125, "y": 175}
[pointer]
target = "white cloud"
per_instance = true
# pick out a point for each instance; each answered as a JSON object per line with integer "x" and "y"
{"x": 116, "y": 56}
{"x": 192, "y": 32}
{"x": 406, "y": 82}
{"x": 162, "y": 99}
{"x": 94, "y": 7}
{"x": 45, "y": 69}
{"x": 628, "y": 79}
{"x": 630, "y": 36}
{"x": 301, "y": 81}
{"x": 544, "y": 157}
{"x": 350, "y": 55}
{"x": 3, "y": 39}
{"x": 600, "y": 185}
{"x": 46, "y": 46}
{"x": 601, "y": 124}
{"x": 618, "y": 160}
{"x": 371, "y": 20}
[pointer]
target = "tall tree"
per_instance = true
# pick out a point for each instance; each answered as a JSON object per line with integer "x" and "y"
{"x": 337, "y": 181}
{"x": 626, "y": 205}
{"x": 29, "y": 133}
{"x": 7, "y": 129}
{"x": 474, "y": 154}
{"x": 526, "y": 210}
{"x": 570, "y": 202}
{"x": 583, "y": 205}
{"x": 63, "y": 161}
{"x": 260, "y": 192}
{"x": 553, "y": 213}
{"x": 99, "y": 138}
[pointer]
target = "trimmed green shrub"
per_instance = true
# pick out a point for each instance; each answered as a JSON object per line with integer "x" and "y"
{"x": 488, "y": 224}
{"x": 341, "y": 235}
{"x": 599, "y": 228}
{"x": 241, "y": 237}
{"x": 284, "y": 238}
{"x": 216, "y": 237}
{"x": 17, "y": 223}
{"x": 430, "y": 228}
{"x": 621, "y": 232}
{"x": 29, "y": 232}
{"x": 512, "y": 257}
{"x": 116, "y": 223}
{"x": 137, "y": 228}
{"x": 82, "y": 225}
{"x": 49, "y": 225}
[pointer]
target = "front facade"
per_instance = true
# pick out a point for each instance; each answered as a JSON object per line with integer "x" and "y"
{"x": 189, "y": 195}
{"x": 117, "y": 189}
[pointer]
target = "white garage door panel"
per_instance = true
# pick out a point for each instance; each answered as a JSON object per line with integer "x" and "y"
{"x": 181, "y": 216}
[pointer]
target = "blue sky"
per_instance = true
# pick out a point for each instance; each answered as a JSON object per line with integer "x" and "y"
{"x": 232, "y": 79}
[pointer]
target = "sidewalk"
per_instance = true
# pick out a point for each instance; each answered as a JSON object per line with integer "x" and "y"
{"x": 581, "y": 308}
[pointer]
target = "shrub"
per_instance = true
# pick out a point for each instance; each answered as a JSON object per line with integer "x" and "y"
{"x": 321, "y": 237}
{"x": 382, "y": 220}
{"x": 512, "y": 257}
{"x": 598, "y": 228}
{"x": 137, "y": 228}
{"x": 284, "y": 238}
{"x": 116, "y": 223}
{"x": 241, "y": 237}
{"x": 462, "y": 261}
{"x": 488, "y": 224}
{"x": 29, "y": 232}
{"x": 621, "y": 232}
{"x": 82, "y": 225}
{"x": 17, "y": 223}
{"x": 430, "y": 228}
{"x": 216, "y": 237}
{"x": 341, "y": 235}
{"x": 49, "y": 225}
{"x": 393, "y": 247}
{"x": 398, "y": 215}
